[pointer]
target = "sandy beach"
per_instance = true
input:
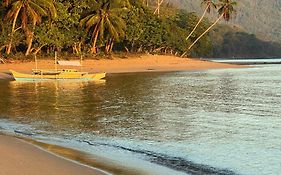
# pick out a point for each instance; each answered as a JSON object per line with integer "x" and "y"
{"x": 145, "y": 63}
{"x": 19, "y": 157}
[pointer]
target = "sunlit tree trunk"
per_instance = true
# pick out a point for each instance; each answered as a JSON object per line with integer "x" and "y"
{"x": 107, "y": 46}
{"x": 96, "y": 35}
{"x": 206, "y": 31}
{"x": 29, "y": 39}
{"x": 111, "y": 45}
{"x": 9, "y": 47}
{"x": 205, "y": 11}
{"x": 94, "y": 47}
{"x": 157, "y": 10}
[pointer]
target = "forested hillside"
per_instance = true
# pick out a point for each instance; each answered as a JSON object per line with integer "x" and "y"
{"x": 259, "y": 17}
{"x": 233, "y": 42}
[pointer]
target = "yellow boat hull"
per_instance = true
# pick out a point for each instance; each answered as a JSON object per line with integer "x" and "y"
{"x": 60, "y": 76}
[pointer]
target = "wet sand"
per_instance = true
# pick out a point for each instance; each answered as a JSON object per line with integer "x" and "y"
{"x": 20, "y": 157}
{"x": 144, "y": 63}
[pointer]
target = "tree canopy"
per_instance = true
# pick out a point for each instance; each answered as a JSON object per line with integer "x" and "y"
{"x": 93, "y": 26}
{"x": 103, "y": 26}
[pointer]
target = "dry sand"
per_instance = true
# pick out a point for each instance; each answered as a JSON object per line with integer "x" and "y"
{"x": 145, "y": 63}
{"x": 21, "y": 158}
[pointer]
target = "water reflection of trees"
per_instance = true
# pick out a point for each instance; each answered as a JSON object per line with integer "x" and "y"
{"x": 5, "y": 101}
{"x": 60, "y": 104}
{"x": 110, "y": 108}
{"x": 129, "y": 109}
{"x": 145, "y": 106}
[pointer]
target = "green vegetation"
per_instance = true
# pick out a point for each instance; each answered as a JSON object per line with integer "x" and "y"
{"x": 226, "y": 8}
{"x": 100, "y": 27}
{"x": 233, "y": 42}
{"x": 209, "y": 5}
{"x": 96, "y": 27}
{"x": 259, "y": 17}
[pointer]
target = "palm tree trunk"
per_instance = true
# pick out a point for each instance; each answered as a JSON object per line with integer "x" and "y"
{"x": 111, "y": 45}
{"x": 189, "y": 48}
{"x": 94, "y": 48}
{"x": 8, "y": 49}
{"x": 107, "y": 46}
{"x": 96, "y": 32}
{"x": 198, "y": 23}
{"x": 157, "y": 10}
{"x": 158, "y": 7}
{"x": 206, "y": 31}
{"x": 29, "y": 39}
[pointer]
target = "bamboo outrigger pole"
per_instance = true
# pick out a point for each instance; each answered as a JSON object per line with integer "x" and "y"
{"x": 81, "y": 59}
{"x": 56, "y": 66}
{"x": 36, "y": 63}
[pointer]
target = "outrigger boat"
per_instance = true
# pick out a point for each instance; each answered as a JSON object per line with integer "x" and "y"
{"x": 57, "y": 74}
{"x": 63, "y": 74}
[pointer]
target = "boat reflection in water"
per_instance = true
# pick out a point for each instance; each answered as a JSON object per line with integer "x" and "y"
{"x": 52, "y": 101}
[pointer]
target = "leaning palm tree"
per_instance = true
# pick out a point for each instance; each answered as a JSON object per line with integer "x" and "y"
{"x": 158, "y": 5}
{"x": 26, "y": 12}
{"x": 209, "y": 4}
{"x": 106, "y": 18}
{"x": 226, "y": 9}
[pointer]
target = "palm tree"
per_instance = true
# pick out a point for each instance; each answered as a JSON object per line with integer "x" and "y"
{"x": 226, "y": 9}
{"x": 105, "y": 19}
{"x": 27, "y": 11}
{"x": 157, "y": 10}
{"x": 209, "y": 4}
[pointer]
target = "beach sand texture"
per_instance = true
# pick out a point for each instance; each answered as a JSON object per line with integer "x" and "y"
{"x": 21, "y": 158}
{"x": 145, "y": 63}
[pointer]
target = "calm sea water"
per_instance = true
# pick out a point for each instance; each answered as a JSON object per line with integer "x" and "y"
{"x": 249, "y": 60}
{"x": 208, "y": 122}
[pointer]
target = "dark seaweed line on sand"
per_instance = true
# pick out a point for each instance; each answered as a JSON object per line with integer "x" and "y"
{"x": 176, "y": 163}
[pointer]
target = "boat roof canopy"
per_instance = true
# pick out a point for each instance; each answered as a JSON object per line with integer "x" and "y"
{"x": 69, "y": 63}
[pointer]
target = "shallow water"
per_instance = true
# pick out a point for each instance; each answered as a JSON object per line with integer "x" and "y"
{"x": 208, "y": 122}
{"x": 249, "y": 60}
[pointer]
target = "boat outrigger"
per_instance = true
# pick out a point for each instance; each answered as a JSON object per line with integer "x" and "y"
{"x": 57, "y": 74}
{"x": 63, "y": 74}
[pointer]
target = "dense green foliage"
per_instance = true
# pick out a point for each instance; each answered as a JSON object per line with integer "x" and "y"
{"x": 231, "y": 42}
{"x": 97, "y": 26}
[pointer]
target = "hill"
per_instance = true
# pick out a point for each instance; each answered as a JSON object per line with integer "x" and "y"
{"x": 259, "y": 17}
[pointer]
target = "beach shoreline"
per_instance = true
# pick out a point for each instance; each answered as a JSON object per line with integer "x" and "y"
{"x": 144, "y": 63}
{"x": 32, "y": 157}
{"x": 22, "y": 157}
{"x": 27, "y": 155}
